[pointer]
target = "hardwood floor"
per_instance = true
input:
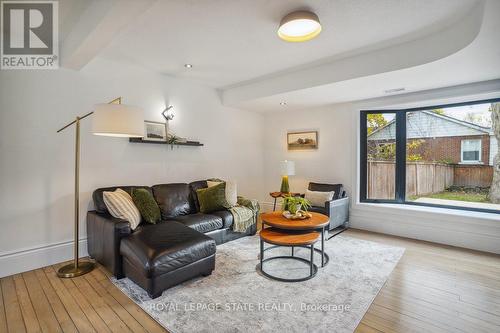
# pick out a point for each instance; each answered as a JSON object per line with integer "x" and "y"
{"x": 38, "y": 301}
{"x": 434, "y": 288}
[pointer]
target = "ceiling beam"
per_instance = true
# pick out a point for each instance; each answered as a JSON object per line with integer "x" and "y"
{"x": 97, "y": 27}
{"x": 418, "y": 51}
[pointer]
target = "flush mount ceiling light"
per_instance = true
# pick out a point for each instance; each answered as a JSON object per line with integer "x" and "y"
{"x": 188, "y": 65}
{"x": 299, "y": 26}
{"x": 282, "y": 103}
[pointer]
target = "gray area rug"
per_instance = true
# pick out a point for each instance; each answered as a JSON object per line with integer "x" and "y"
{"x": 237, "y": 298}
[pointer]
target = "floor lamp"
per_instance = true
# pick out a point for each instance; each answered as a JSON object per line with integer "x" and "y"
{"x": 112, "y": 119}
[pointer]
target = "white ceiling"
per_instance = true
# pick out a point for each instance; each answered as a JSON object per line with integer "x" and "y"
{"x": 233, "y": 46}
{"x": 230, "y": 41}
{"x": 69, "y": 12}
{"x": 476, "y": 62}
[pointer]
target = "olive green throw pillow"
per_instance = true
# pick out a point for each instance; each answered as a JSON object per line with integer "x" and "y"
{"x": 146, "y": 205}
{"x": 212, "y": 198}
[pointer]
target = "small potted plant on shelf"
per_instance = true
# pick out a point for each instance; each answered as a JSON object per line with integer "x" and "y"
{"x": 295, "y": 208}
{"x": 173, "y": 139}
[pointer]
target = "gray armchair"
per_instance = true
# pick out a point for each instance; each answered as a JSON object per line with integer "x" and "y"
{"x": 337, "y": 208}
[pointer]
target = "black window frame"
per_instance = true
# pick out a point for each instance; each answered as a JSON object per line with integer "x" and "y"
{"x": 400, "y": 172}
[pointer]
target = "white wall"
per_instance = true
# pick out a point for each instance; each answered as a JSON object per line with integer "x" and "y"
{"x": 36, "y": 165}
{"x": 336, "y": 160}
{"x": 330, "y": 163}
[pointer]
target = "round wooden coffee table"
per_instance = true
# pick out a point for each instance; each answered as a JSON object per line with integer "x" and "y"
{"x": 289, "y": 238}
{"x": 318, "y": 222}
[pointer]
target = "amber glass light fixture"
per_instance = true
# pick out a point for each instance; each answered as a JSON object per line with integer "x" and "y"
{"x": 299, "y": 26}
{"x": 287, "y": 169}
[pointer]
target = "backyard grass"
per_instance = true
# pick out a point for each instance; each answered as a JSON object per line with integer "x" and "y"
{"x": 459, "y": 196}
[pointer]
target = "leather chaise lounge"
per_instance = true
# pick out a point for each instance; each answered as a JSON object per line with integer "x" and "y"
{"x": 161, "y": 257}
{"x": 158, "y": 256}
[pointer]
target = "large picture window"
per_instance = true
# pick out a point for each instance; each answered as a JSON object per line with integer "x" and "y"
{"x": 435, "y": 156}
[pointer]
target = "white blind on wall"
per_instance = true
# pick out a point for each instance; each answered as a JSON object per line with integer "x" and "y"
{"x": 472, "y": 145}
{"x": 470, "y": 150}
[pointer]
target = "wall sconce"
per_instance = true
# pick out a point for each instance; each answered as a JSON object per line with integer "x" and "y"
{"x": 168, "y": 113}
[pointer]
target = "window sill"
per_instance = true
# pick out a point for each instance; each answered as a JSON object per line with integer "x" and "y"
{"x": 471, "y": 163}
{"x": 468, "y": 229}
{"x": 405, "y": 208}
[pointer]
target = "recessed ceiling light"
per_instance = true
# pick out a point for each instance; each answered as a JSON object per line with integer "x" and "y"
{"x": 188, "y": 65}
{"x": 299, "y": 26}
{"x": 282, "y": 103}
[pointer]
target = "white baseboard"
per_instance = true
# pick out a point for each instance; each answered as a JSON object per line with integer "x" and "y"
{"x": 33, "y": 258}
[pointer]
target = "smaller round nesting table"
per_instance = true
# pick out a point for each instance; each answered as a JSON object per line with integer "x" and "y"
{"x": 293, "y": 233}
{"x": 290, "y": 239}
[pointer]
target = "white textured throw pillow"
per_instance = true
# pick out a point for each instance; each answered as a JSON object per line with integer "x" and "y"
{"x": 317, "y": 198}
{"x": 120, "y": 205}
{"x": 231, "y": 191}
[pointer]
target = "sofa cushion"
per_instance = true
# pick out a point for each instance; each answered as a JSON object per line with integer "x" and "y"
{"x": 147, "y": 206}
{"x": 318, "y": 198}
{"x": 231, "y": 191}
{"x": 173, "y": 199}
{"x": 226, "y": 216}
{"x": 121, "y": 206}
{"x": 212, "y": 198}
{"x": 194, "y": 187}
{"x": 201, "y": 222}
{"x": 337, "y": 188}
{"x": 162, "y": 248}
{"x": 99, "y": 204}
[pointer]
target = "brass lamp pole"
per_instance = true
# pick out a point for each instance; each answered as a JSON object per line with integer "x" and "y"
{"x": 125, "y": 122}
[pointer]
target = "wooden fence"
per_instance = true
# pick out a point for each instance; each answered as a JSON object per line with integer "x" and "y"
{"x": 473, "y": 175}
{"x": 381, "y": 180}
{"x": 427, "y": 177}
{"x": 421, "y": 178}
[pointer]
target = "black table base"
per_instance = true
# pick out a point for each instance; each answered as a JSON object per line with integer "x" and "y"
{"x": 325, "y": 255}
{"x": 313, "y": 269}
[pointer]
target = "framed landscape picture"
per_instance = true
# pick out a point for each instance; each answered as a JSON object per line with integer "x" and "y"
{"x": 302, "y": 140}
{"x": 155, "y": 131}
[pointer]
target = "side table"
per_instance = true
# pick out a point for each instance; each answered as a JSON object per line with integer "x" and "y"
{"x": 277, "y": 195}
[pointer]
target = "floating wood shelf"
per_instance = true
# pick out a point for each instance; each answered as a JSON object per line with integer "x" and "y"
{"x": 188, "y": 143}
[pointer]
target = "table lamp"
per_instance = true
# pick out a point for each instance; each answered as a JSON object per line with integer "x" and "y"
{"x": 112, "y": 119}
{"x": 287, "y": 169}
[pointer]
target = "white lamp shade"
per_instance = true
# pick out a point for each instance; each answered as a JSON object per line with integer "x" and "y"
{"x": 118, "y": 120}
{"x": 287, "y": 168}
